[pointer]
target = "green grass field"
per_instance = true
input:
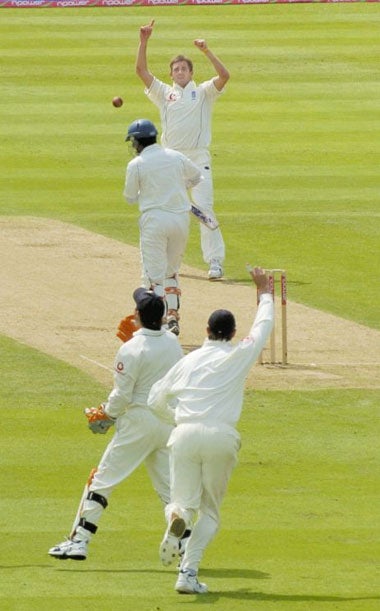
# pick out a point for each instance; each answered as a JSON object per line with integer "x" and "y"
{"x": 296, "y": 155}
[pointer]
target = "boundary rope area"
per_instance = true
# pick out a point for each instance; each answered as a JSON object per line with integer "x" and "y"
{"x": 110, "y": 3}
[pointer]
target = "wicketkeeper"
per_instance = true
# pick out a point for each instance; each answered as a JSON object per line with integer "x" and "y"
{"x": 139, "y": 435}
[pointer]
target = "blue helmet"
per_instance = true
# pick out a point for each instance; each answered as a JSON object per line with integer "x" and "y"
{"x": 141, "y": 128}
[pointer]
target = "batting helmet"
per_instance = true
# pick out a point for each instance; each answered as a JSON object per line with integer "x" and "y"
{"x": 141, "y": 128}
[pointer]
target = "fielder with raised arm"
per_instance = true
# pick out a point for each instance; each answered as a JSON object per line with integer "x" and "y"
{"x": 186, "y": 112}
{"x": 208, "y": 386}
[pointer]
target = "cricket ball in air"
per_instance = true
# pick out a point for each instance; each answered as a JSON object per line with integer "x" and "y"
{"x": 117, "y": 102}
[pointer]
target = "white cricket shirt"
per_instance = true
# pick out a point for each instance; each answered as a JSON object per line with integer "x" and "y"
{"x": 159, "y": 178}
{"x": 185, "y": 113}
{"x": 208, "y": 384}
{"x": 139, "y": 363}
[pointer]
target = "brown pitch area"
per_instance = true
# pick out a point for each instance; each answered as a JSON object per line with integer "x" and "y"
{"x": 64, "y": 290}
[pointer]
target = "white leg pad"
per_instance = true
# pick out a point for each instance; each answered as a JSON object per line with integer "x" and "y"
{"x": 172, "y": 292}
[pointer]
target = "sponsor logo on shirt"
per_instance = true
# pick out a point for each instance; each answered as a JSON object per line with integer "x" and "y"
{"x": 173, "y": 96}
{"x": 193, "y": 94}
{"x": 247, "y": 340}
{"x": 120, "y": 366}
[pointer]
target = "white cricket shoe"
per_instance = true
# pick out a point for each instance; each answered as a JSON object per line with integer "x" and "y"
{"x": 216, "y": 271}
{"x": 187, "y": 583}
{"x": 75, "y": 550}
{"x": 170, "y": 544}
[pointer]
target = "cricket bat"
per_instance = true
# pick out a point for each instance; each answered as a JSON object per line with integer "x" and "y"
{"x": 209, "y": 221}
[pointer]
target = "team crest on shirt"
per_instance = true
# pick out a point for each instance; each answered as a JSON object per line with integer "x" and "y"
{"x": 193, "y": 94}
{"x": 120, "y": 366}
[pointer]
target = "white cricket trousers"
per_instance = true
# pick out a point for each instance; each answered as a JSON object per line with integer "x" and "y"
{"x": 202, "y": 458}
{"x": 163, "y": 239}
{"x": 139, "y": 437}
{"x": 202, "y": 194}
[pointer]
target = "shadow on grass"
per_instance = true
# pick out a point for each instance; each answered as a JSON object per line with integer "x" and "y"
{"x": 246, "y": 280}
{"x": 218, "y": 573}
{"x": 223, "y": 280}
{"x": 212, "y": 597}
{"x": 277, "y": 281}
{"x": 247, "y": 594}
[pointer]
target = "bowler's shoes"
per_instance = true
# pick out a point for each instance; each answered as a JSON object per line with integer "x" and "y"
{"x": 75, "y": 550}
{"x": 216, "y": 271}
{"x": 187, "y": 583}
{"x": 170, "y": 544}
{"x": 173, "y": 325}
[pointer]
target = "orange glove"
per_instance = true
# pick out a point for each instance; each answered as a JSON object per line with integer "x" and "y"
{"x": 98, "y": 421}
{"x": 126, "y": 328}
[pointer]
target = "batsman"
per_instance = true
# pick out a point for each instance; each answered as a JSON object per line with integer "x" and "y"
{"x": 147, "y": 353}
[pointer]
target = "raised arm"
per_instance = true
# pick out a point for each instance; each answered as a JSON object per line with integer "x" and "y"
{"x": 259, "y": 278}
{"x": 221, "y": 70}
{"x": 264, "y": 319}
{"x": 142, "y": 70}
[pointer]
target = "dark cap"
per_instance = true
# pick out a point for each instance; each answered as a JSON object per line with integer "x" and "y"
{"x": 222, "y": 324}
{"x": 150, "y": 307}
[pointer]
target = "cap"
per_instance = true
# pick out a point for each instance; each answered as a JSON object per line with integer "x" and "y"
{"x": 222, "y": 324}
{"x": 150, "y": 307}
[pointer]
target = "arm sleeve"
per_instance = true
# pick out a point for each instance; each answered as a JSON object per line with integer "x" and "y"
{"x": 132, "y": 184}
{"x": 157, "y": 92}
{"x": 161, "y": 397}
{"x": 248, "y": 349}
{"x": 192, "y": 174}
{"x": 126, "y": 372}
{"x": 211, "y": 91}
{"x": 262, "y": 325}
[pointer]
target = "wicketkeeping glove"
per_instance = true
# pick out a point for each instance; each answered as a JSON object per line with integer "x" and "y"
{"x": 98, "y": 421}
{"x": 126, "y": 328}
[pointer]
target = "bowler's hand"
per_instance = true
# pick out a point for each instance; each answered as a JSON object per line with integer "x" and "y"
{"x": 201, "y": 44}
{"x": 146, "y": 31}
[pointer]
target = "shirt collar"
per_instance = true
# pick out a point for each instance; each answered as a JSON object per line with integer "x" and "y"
{"x": 151, "y": 332}
{"x": 190, "y": 85}
{"x": 216, "y": 342}
{"x": 150, "y": 148}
